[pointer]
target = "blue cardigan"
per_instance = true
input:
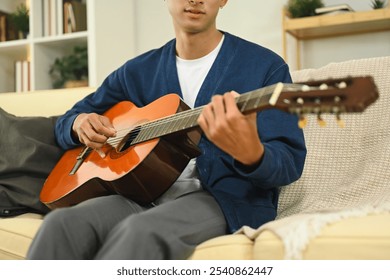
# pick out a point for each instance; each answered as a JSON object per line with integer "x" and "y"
{"x": 246, "y": 197}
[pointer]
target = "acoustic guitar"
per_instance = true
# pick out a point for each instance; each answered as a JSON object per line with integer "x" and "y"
{"x": 154, "y": 143}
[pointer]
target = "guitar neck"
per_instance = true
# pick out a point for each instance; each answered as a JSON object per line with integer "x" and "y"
{"x": 335, "y": 96}
{"x": 248, "y": 102}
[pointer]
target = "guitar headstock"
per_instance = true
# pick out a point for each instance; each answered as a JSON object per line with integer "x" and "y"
{"x": 334, "y": 96}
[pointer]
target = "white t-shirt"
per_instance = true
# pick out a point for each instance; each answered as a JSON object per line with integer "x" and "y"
{"x": 192, "y": 73}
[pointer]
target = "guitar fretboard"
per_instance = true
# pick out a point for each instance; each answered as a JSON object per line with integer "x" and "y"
{"x": 247, "y": 102}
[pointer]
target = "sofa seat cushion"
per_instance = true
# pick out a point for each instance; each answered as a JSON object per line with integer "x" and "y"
{"x": 227, "y": 247}
{"x": 366, "y": 237}
{"x": 16, "y": 235}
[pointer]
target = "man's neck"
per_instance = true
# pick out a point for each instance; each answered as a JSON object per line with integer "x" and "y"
{"x": 193, "y": 46}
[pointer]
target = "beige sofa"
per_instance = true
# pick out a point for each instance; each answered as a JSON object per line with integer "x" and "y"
{"x": 339, "y": 209}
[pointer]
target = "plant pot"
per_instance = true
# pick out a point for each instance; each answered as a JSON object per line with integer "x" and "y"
{"x": 75, "y": 84}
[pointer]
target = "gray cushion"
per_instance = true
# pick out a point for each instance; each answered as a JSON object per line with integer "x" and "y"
{"x": 28, "y": 152}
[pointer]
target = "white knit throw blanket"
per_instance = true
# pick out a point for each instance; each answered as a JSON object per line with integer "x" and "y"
{"x": 347, "y": 170}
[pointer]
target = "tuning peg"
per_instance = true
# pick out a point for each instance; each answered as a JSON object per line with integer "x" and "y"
{"x": 324, "y": 87}
{"x": 339, "y": 121}
{"x": 302, "y": 123}
{"x": 305, "y": 88}
{"x": 321, "y": 121}
{"x": 342, "y": 85}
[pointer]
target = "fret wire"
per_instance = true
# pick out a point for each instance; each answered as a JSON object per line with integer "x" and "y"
{"x": 256, "y": 97}
{"x": 140, "y": 135}
{"x": 193, "y": 120}
{"x": 245, "y": 101}
{"x": 187, "y": 121}
{"x": 259, "y": 99}
{"x": 159, "y": 127}
{"x": 168, "y": 119}
{"x": 256, "y": 93}
{"x": 153, "y": 129}
{"x": 172, "y": 124}
{"x": 250, "y": 100}
{"x": 150, "y": 132}
{"x": 187, "y": 113}
{"x": 180, "y": 123}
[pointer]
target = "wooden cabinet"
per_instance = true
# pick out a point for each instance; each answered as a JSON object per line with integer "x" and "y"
{"x": 109, "y": 38}
{"x": 332, "y": 25}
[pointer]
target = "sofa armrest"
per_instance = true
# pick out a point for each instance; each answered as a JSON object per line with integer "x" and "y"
{"x": 16, "y": 235}
{"x": 227, "y": 247}
{"x": 42, "y": 103}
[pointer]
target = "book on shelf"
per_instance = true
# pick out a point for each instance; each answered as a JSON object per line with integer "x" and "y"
{"x": 22, "y": 76}
{"x": 7, "y": 30}
{"x": 49, "y": 17}
{"x": 69, "y": 19}
{"x": 75, "y": 17}
{"x": 26, "y": 83}
{"x": 3, "y": 28}
{"x": 341, "y": 8}
{"x": 63, "y": 16}
{"x": 18, "y": 76}
{"x": 60, "y": 18}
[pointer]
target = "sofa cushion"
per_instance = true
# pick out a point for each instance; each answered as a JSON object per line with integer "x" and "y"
{"x": 227, "y": 247}
{"x": 16, "y": 235}
{"x": 358, "y": 238}
{"x": 28, "y": 152}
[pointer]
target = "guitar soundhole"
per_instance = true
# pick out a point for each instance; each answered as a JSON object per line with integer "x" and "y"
{"x": 128, "y": 140}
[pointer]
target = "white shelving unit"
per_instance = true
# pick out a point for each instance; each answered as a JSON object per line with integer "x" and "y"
{"x": 109, "y": 38}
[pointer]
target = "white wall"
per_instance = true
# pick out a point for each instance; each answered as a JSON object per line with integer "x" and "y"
{"x": 256, "y": 20}
{"x": 260, "y": 21}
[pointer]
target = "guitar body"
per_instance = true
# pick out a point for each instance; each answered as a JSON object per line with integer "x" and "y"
{"x": 125, "y": 170}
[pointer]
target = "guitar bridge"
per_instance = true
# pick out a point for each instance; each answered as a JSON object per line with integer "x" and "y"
{"x": 80, "y": 159}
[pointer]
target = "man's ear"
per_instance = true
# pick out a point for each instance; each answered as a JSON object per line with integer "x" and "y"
{"x": 223, "y": 3}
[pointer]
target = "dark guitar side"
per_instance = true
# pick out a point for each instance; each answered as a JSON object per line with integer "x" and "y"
{"x": 143, "y": 171}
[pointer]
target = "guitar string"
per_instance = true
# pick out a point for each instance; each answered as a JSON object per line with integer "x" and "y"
{"x": 179, "y": 117}
{"x": 153, "y": 124}
{"x": 184, "y": 115}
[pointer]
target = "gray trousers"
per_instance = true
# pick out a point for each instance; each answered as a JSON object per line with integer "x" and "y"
{"x": 114, "y": 227}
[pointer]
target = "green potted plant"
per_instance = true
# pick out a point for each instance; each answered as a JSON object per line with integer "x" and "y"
{"x": 71, "y": 70}
{"x": 378, "y": 4}
{"x": 303, "y": 8}
{"x": 21, "y": 20}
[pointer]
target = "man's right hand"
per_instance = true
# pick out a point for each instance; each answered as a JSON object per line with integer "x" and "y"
{"x": 93, "y": 130}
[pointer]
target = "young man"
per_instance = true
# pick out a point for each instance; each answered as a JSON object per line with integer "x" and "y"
{"x": 245, "y": 159}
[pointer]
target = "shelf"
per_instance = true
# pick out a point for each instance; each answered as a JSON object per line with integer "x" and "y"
{"x": 63, "y": 38}
{"x": 13, "y": 48}
{"x": 333, "y": 25}
{"x": 109, "y": 38}
{"x": 339, "y": 24}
